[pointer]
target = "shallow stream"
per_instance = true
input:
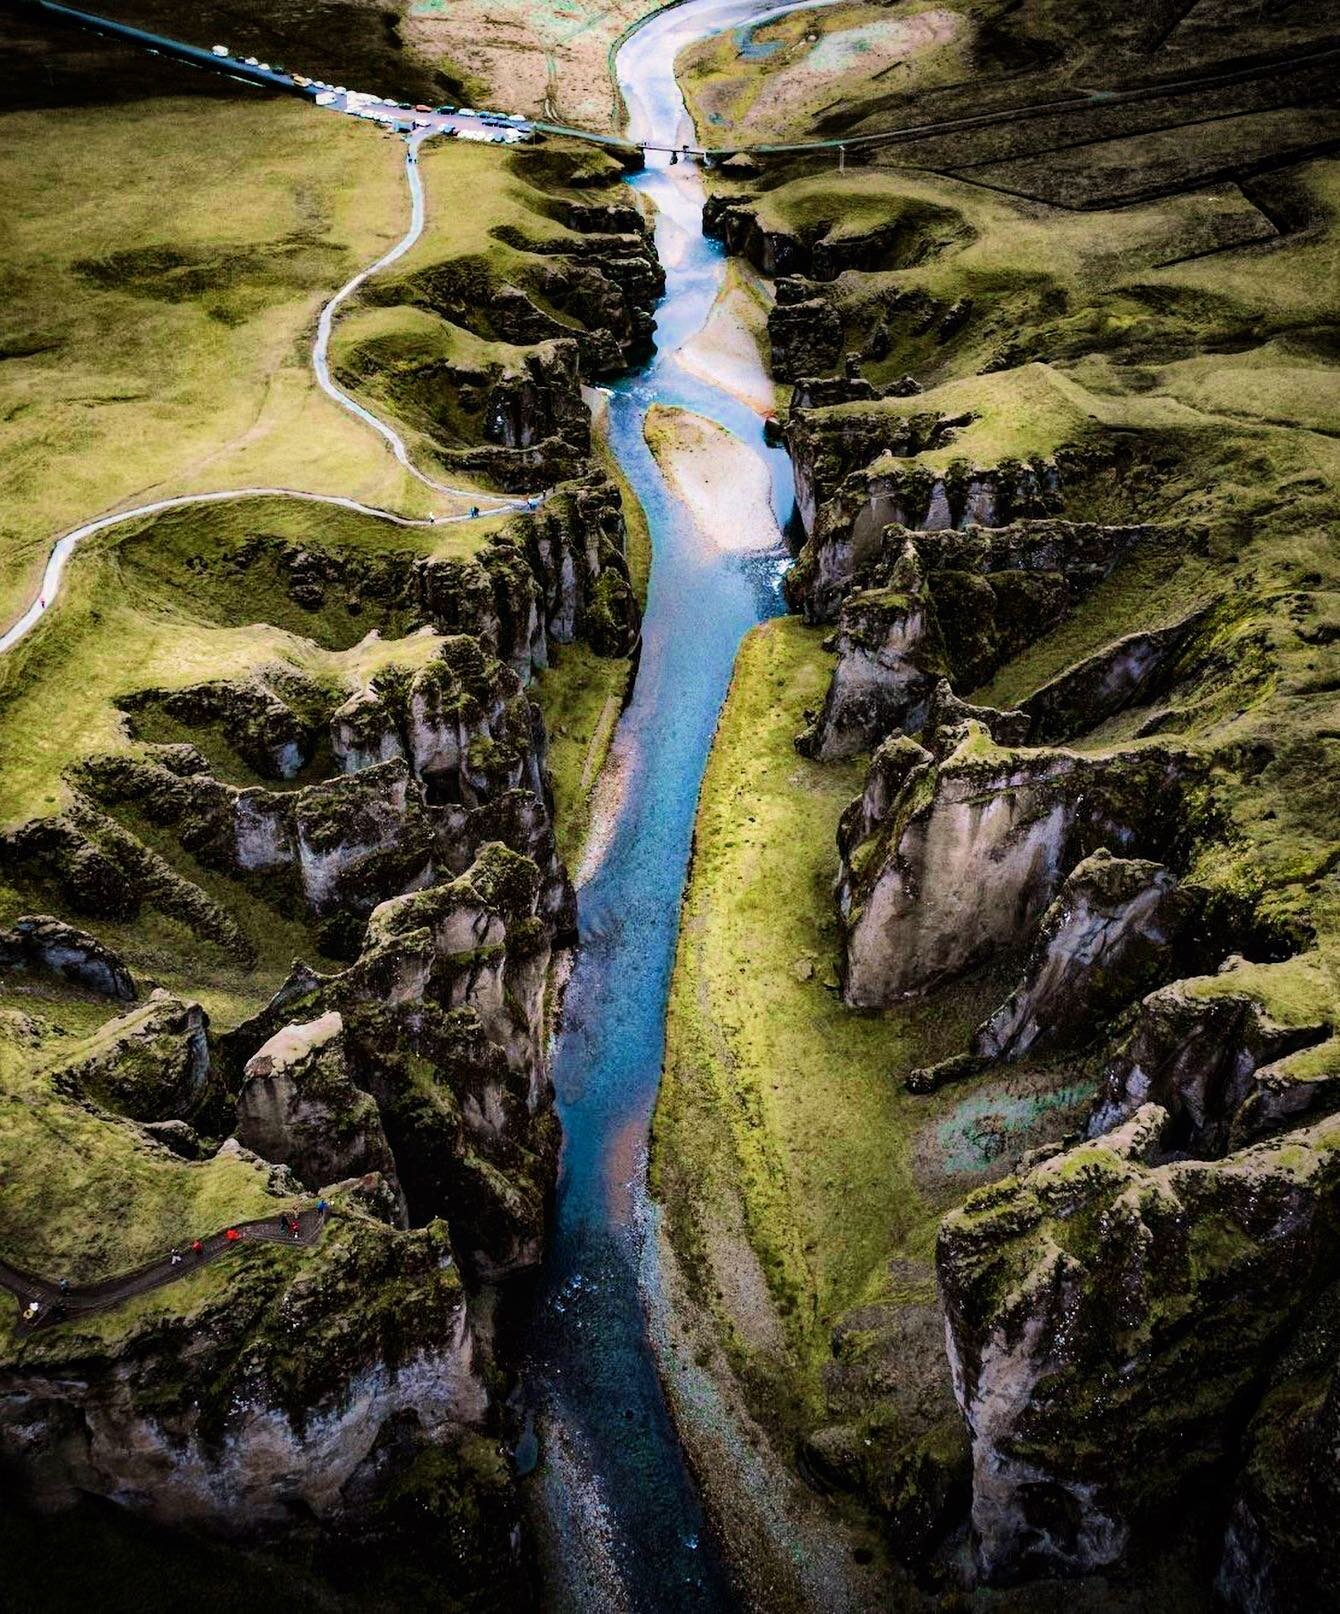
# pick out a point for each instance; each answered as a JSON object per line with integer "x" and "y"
{"x": 619, "y": 1516}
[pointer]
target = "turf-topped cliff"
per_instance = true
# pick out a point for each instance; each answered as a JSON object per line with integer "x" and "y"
{"x": 290, "y": 793}
{"x": 1004, "y": 1014}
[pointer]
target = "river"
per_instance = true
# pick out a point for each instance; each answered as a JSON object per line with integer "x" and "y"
{"x": 619, "y": 1518}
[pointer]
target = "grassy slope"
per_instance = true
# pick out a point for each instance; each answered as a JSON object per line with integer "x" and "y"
{"x": 165, "y": 347}
{"x": 782, "y": 1119}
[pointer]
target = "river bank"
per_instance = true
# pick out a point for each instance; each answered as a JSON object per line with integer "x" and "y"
{"x": 611, "y": 1470}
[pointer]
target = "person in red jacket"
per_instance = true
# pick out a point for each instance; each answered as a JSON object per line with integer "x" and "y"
{"x": 232, "y": 1235}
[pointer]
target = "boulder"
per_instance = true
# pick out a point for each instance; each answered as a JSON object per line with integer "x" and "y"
{"x": 1109, "y": 1318}
{"x": 1111, "y": 931}
{"x": 39, "y": 941}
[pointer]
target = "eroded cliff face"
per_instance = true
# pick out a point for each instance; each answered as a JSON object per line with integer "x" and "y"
{"x": 267, "y": 1398}
{"x": 395, "y": 818}
{"x": 1106, "y": 1318}
{"x": 949, "y": 858}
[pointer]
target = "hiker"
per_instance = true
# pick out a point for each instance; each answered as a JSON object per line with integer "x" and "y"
{"x": 64, "y": 1286}
{"x": 474, "y": 511}
{"x": 295, "y": 1225}
{"x": 197, "y": 1249}
{"x": 232, "y": 1235}
{"x": 175, "y": 1257}
{"x": 30, "y": 1311}
{"x": 322, "y": 1207}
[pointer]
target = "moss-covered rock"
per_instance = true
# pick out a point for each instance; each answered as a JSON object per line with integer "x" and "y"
{"x": 1112, "y": 930}
{"x": 946, "y": 861}
{"x": 1109, "y": 1318}
{"x": 1212, "y": 1054}
{"x": 41, "y": 942}
{"x": 150, "y": 1064}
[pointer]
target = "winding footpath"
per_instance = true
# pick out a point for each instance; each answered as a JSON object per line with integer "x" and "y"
{"x": 43, "y": 1302}
{"x": 67, "y": 543}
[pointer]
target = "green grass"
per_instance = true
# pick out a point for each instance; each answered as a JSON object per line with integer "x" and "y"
{"x": 581, "y": 697}
{"x": 158, "y": 321}
{"x": 782, "y": 1113}
{"x": 157, "y": 604}
{"x": 83, "y": 1195}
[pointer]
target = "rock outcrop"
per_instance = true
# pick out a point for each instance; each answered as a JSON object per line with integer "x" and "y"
{"x": 804, "y": 331}
{"x": 1106, "y": 1319}
{"x": 300, "y": 1107}
{"x": 517, "y": 420}
{"x": 947, "y": 859}
{"x": 431, "y": 1046}
{"x": 150, "y": 1064}
{"x": 1216, "y": 1061}
{"x": 826, "y": 247}
{"x": 1111, "y": 931}
{"x": 1132, "y": 669}
{"x": 269, "y": 1395}
{"x": 465, "y": 754}
{"x": 952, "y": 607}
{"x": 997, "y": 588}
{"x": 270, "y": 735}
{"x": 41, "y": 942}
{"x": 890, "y": 660}
{"x": 852, "y": 477}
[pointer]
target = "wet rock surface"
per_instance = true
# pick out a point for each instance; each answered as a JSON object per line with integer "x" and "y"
{"x": 1216, "y": 1062}
{"x": 1113, "y": 927}
{"x": 41, "y": 942}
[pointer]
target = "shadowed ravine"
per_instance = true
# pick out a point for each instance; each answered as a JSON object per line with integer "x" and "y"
{"x": 620, "y": 1520}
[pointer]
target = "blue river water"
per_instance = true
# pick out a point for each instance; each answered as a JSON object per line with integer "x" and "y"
{"x": 619, "y": 1517}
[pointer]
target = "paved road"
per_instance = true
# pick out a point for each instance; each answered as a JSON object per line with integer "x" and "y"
{"x": 54, "y": 1304}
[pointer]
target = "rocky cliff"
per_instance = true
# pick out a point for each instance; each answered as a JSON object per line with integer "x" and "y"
{"x": 365, "y": 785}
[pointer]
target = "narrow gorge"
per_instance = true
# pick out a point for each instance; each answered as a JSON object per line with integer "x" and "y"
{"x": 667, "y": 871}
